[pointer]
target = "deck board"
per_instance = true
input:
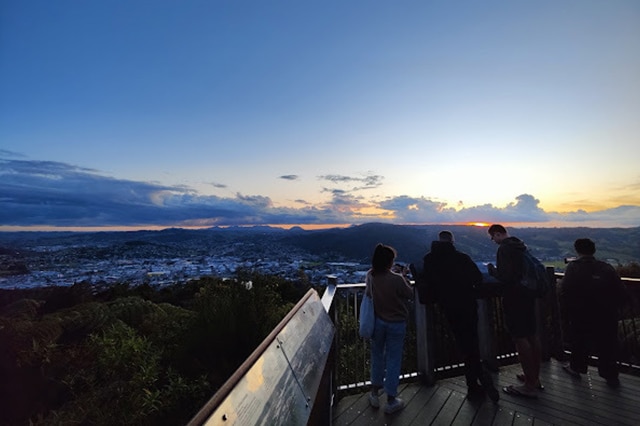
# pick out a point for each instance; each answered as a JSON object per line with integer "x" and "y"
{"x": 565, "y": 401}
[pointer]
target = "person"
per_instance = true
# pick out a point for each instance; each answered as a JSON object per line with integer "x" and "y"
{"x": 591, "y": 294}
{"x": 390, "y": 292}
{"x": 449, "y": 278}
{"x": 519, "y": 310}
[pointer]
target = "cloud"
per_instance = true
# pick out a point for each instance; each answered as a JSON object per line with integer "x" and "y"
{"x": 10, "y": 154}
{"x": 47, "y": 193}
{"x": 621, "y": 216}
{"x": 218, "y": 185}
{"x": 369, "y": 181}
{"x": 289, "y": 177}
{"x": 336, "y": 178}
{"x": 418, "y": 210}
{"x": 525, "y": 209}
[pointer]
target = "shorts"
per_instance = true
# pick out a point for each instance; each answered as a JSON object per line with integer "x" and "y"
{"x": 520, "y": 314}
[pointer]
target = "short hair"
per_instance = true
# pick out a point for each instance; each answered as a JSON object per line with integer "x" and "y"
{"x": 382, "y": 259}
{"x": 585, "y": 246}
{"x": 495, "y": 228}
{"x": 446, "y": 236}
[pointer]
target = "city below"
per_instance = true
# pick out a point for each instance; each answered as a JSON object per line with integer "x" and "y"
{"x": 159, "y": 258}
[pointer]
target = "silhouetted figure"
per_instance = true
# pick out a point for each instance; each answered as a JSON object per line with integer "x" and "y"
{"x": 390, "y": 292}
{"x": 519, "y": 309}
{"x": 591, "y": 294}
{"x": 449, "y": 278}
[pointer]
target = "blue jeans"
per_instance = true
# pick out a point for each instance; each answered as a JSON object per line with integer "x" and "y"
{"x": 386, "y": 355}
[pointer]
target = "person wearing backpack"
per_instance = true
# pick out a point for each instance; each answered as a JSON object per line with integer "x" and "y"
{"x": 519, "y": 309}
{"x": 591, "y": 294}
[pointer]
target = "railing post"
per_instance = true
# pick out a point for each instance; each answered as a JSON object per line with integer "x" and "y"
{"x": 425, "y": 342}
{"x": 549, "y": 321}
{"x": 329, "y": 378}
{"x": 485, "y": 334}
{"x": 332, "y": 281}
{"x": 555, "y": 327}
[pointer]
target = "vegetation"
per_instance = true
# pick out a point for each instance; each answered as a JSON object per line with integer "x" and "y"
{"x": 130, "y": 355}
{"x": 630, "y": 270}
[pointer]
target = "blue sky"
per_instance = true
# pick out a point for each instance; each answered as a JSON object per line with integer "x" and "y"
{"x": 200, "y": 113}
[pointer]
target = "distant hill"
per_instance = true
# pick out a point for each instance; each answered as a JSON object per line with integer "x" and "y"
{"x": 355, "y": 243}
{"x": 413, "y": 241}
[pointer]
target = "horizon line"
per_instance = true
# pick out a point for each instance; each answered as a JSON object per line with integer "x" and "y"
{"x": 306, "y": 227}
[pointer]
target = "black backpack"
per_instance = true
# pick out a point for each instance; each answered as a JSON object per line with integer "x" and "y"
{"x": 534, "y": 275}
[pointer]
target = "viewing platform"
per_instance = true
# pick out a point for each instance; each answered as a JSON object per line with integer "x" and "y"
{"x": 314, "y": 369}
{"x": 564, "y": 401}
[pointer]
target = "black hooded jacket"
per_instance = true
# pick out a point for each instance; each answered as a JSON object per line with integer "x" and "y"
{"x": 449, "y": 278}
{"x": 591, "y": 290}
{"x": 509, "y": 257}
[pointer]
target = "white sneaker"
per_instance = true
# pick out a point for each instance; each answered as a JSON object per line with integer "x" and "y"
{"x": 374, "y": 401}
{"x": 396, "y": 405}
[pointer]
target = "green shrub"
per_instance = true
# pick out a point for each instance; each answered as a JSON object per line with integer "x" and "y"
{"x": 132, "y": 356}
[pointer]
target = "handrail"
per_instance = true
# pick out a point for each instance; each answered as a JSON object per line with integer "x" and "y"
{"x": 340, "y": 303}
{"x": 491, "y": 327}
{"x": 272, "y": 348}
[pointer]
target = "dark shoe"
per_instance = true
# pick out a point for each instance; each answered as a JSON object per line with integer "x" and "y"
{"x": 374, "y": 401}
{"x": 613, "y": 382}
{"x": 396, "y": 405}
{"x": 520, "y": 391}
{"x": 492, "y": 393}
{"x": 489, "y": 388}
{"x": 475, "y": 391}
{"x": 573, "y": 373}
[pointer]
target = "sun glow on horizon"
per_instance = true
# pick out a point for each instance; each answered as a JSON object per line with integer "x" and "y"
{"x": 479, "y": 224}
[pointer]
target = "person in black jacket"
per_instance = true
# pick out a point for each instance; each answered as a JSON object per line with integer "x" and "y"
{"x": 519, "y": 310}
{"x": 449, "y": 279}
{"x": 591, "y": 294}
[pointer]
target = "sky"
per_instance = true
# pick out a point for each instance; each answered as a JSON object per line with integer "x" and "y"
{"x": 130, "y": 114}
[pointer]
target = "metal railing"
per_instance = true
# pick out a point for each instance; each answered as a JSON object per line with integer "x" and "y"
{"x": 315, "y": 356}
{"x": 426, "y": 358}
{"x": 629, "y": 326}
{"x": 430, "y": 352}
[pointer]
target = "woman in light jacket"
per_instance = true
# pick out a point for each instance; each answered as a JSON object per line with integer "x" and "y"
{"x": 390, "y": 292}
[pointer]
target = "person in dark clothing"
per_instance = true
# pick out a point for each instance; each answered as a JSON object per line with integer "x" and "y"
{"x": 519, "y": 309}
{"x": 591, "y": 294}
{"x": 449, "y": 279}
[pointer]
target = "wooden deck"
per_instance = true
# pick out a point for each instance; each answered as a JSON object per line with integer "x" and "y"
{"x": 564, "y": 401}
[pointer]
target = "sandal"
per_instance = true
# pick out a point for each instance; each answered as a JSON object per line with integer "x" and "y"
{"x": 523, "y": 379}
{"x": 521, "y": 391}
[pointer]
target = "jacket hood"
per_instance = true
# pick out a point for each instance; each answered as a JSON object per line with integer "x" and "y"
{"x": 442, "y": 247}
{"x": 515, "y": 243}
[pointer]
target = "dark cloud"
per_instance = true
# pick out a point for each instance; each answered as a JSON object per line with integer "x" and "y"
{"x": 334, "y": 191}
{"x": 373, "y": 180}
{"x": 369, "y": 181}
{"x": 618, "y": 216}
{"x": 336, "y": 178}
{"x": 58, "y": 194}
{"x": 289, "y": 177}
{"x": 10, "y": 154}
{"x": 218, "y": 185}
